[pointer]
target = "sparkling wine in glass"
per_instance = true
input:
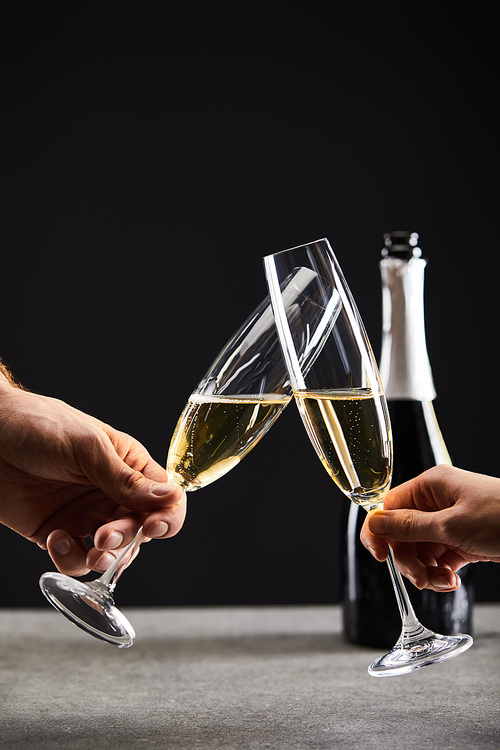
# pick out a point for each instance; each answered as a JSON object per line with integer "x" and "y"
{"x": 239, "y": 399}
{"x": 342, "y": 404}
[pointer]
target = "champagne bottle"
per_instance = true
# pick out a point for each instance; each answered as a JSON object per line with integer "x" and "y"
{"x": 370, "y": 614}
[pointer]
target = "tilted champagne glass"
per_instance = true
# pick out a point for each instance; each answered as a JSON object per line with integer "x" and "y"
{"x": 342, "y": 404}
{"x": 239, "y": 399}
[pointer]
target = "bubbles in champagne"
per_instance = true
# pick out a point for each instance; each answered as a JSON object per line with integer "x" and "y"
{"x": 350, "y": 433}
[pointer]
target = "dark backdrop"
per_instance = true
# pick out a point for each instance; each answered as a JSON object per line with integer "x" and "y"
{"x": 150, "y": 159}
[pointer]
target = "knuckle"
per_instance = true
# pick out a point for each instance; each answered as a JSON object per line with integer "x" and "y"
{"x": 436, "y": 474}
{"x": 407, "y": 523}
{"x": 129, "y": 480}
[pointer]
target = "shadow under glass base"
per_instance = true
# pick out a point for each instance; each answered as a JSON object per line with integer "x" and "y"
{"x": 405, "y": 658}
{"x": 90, "y": 606}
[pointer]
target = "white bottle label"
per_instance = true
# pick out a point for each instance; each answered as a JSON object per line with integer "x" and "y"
{"x": 404, "y": 364}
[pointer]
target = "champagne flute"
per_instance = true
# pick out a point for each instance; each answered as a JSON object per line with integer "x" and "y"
{"x": 342, "y": 404}
{"x": 239, "y": 399}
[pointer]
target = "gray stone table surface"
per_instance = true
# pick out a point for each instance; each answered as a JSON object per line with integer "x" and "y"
{"x": 230, "y": 678}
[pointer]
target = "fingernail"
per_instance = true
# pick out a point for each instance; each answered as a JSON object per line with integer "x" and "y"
{"x": 379, "y": 523}
{"x": 158, "y": 529}
{"x": 441, "y": 583}
{"x": 163, "y": 489}
{"x": 114, "y": 540}
{"x": 104, "y": 561}
{"x": 61, "y": 545}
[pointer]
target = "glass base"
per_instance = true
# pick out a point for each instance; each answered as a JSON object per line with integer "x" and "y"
{"x": 407, "y": 657}
{"x": 90, "y": 606}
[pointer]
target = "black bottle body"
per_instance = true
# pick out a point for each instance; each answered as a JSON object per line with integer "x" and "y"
{"x": 370, "y": 613}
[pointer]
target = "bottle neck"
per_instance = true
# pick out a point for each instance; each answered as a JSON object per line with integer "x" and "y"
{"x": 404, "y": 363}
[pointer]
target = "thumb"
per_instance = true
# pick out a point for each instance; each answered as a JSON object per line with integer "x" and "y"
{"x": 406, "y": 525}
{"x": 142, "y": 491}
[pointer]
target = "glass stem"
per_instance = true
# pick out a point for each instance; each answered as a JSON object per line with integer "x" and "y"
{"x": 112, "y": 574}
{"x": 412, "y": 630}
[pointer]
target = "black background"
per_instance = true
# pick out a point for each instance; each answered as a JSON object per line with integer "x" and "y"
{"x": 151, "y": 158}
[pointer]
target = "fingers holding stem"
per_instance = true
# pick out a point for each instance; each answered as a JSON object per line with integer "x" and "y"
{"x": 112, "y": 574}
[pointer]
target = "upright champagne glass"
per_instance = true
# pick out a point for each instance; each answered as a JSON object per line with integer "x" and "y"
{"x": 241, "y": 396}
{"x": 342, "y": 404}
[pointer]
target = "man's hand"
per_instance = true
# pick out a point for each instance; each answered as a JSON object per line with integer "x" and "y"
{"x": 65, "y": 477}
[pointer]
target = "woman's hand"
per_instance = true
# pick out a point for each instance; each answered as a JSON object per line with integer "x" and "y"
{"x": 437, "y": 523}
